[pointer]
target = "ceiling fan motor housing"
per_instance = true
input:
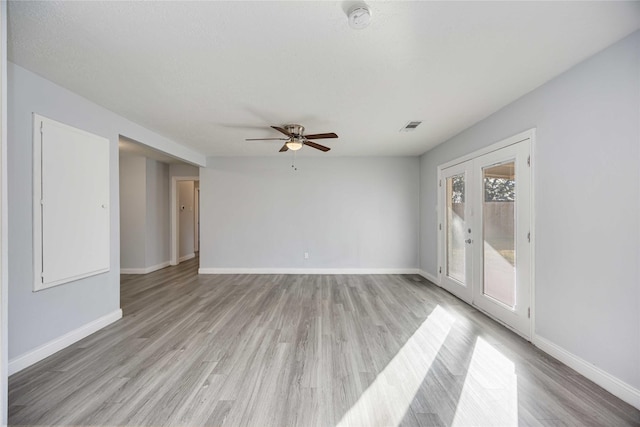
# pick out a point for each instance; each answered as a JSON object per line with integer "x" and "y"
{"x": 295, "y": 130}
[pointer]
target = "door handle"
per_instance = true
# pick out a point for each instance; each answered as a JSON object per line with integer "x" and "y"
{"x": 468, "y": 241}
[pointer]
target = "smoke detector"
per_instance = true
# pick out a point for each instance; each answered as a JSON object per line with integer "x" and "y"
{"x": 359, "y": 17}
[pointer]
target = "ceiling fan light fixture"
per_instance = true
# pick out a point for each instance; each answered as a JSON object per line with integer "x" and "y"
{"x": 294, "y": 144}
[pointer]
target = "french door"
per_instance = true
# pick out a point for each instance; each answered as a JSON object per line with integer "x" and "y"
{"x": 485, "y": 233}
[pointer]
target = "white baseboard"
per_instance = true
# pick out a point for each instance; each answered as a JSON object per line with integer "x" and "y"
{"x": 430, "y": 277}
{"x": 45, "y": 350}
{"x": 613, "y": 385}
{"x": 307, "y": 271}
{"x": 186, "y": 257}
{"x": 144, "y": 270}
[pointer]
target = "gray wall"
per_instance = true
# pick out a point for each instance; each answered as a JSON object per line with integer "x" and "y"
{"x": 4, "y": 277}
{"x": 587, "y": 198}
{"x": 36, "y": 318}
{"x": 158, "y": 234}
{"x": 178, "y": 169}
{"x": 132, "y": 211}
{"x": 144, "y": 213}
{"x": 346, "y": 212}
{"x": 186, "y": 220}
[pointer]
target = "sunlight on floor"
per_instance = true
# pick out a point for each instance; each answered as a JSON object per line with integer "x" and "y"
{"x": 387, "y": 399}
{"x": 490, "y": 392}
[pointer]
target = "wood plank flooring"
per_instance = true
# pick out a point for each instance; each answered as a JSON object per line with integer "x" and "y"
{"x": 297, "y": 350}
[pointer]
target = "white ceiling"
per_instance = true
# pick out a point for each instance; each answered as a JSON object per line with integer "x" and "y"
{"x": 209, "y": 74}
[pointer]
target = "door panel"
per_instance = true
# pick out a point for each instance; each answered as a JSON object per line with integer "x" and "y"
{"x": 502, "y": 256}
{"x": 457, "y": 222}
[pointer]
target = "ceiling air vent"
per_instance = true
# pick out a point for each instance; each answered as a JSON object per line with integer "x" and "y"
{"x": 410, "y": 127}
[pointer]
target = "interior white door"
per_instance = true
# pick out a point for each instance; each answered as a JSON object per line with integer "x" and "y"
{"x": 456, "y": 270}
{"x": 501, "y": 248}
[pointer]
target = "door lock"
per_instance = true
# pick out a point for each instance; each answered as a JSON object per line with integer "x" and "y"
{"x": 468, "y": 241}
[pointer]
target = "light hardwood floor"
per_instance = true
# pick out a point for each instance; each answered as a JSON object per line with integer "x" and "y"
{"x": 285, "y": 350}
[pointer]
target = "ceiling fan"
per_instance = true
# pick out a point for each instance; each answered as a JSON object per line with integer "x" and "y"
{"x": 296, "y": 138}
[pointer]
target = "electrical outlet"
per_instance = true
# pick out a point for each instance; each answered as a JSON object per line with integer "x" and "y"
{"x": 306, "y": 255}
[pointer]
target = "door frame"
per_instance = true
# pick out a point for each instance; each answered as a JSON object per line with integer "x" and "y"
{"x": 196, "y": 218}
{"x": 174, "y": 216}
{"x": 529, "y": 134}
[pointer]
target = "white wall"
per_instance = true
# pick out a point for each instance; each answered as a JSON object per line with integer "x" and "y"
{"x": 186, "y": 218}
{"x": 39, "y": 318}
{"x": 158, "y": 234}
{"x": 587, "y": 199}
{"x": 348, "y": 213}
{"x": 133, "y": 207}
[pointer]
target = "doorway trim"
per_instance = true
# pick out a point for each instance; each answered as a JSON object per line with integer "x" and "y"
{"x": 196, "y": 222}
{"x": 175, "y": 229}
{"x": 529, "y": 134}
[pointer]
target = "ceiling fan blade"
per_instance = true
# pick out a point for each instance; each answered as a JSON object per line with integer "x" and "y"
{"x": 282, "y": 131}
{"x": 266, "y": 139}
{"x": 321, "y": 135}
{"x": 317, "y": 146}
{"x": 284, "y": 148}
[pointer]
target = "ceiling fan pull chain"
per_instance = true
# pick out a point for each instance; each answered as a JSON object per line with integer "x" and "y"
{"x": 293, "y": 162}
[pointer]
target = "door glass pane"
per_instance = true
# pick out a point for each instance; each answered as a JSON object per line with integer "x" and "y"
{"x": 498, "y": 217}
{"x": 455, "y": 225}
